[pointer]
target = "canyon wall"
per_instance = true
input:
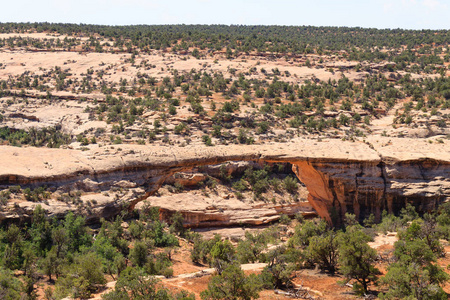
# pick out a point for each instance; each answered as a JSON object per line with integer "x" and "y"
{"x": 341, "y": 176}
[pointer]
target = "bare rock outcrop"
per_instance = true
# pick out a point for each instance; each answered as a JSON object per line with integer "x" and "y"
{"x": 358, "y": 177}
{"x": 215, "y": 211}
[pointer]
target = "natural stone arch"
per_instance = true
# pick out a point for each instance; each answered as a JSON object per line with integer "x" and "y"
{"x": 344, "y": 176}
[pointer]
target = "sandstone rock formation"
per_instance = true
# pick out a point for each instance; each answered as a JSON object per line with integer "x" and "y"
{"x": 341, "y": 176}
{"x": 215, "y": 211}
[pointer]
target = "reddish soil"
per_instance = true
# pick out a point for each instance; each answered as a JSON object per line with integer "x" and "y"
{"x": 182, "y": 263}
{"x": 320, "y": 285}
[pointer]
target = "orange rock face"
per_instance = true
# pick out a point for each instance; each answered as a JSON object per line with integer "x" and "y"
{"x": 356, "y": 177}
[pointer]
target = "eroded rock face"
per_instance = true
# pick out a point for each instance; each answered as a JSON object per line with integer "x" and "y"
{"x": 338, "y": 187}
{"x": 424, "y": 183}
{"x": 362, "y": 178}
{"x": 215, "y": 211}
{"x": 408, "y": 172}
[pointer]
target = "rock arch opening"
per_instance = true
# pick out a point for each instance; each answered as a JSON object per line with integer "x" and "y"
{"x": 232, "y": 193}
{"x": 340, "y": 176}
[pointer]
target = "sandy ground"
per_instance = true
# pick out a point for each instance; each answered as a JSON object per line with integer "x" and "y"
{"x": 17, "y": 62}
{"x": 384, "y": 239}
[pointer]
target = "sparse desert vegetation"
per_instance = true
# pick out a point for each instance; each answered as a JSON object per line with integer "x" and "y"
{"x": 193, "y": 161}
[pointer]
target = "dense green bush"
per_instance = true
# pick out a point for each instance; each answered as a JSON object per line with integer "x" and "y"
{"x": 415, "y": 272}
{"x": 48, "y": 137}
{"x": 233, "y": 284}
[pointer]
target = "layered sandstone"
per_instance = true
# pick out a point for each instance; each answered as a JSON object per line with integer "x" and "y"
{"x": 216, "y": 211}
{"x": 341, "y": 176}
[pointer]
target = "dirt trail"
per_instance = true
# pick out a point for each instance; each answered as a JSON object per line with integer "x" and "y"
{"x": 180, "y": 280}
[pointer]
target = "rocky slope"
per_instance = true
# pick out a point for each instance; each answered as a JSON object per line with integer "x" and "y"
{"x": 360, "y": 177}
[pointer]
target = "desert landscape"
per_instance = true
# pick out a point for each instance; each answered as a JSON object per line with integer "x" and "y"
{"x": 223, "y": 162}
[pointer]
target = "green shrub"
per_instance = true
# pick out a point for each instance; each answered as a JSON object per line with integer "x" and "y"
{"x": 82, "y": 277}
{"x": 207, "y": 140}
{"x": 233, "y": 284}
{"x": 284, "y": 219}
{"x": 290, "y": 184}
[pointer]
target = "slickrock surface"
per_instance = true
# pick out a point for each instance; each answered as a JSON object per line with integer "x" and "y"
{"x": 217, "y": 211}
{"x": 362, "y": 177}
